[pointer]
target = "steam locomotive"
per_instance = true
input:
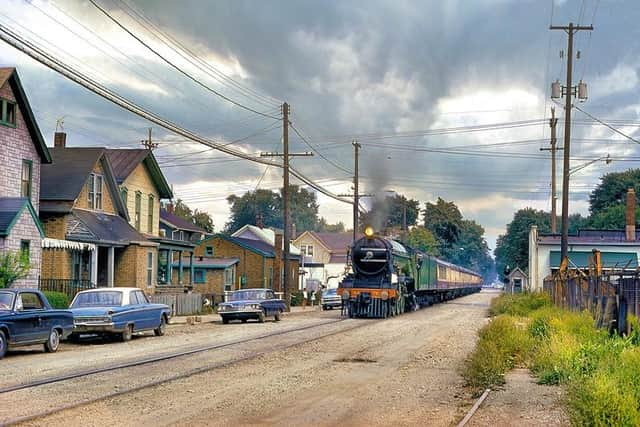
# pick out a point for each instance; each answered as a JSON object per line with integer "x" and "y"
{"x": 389, "y": 278}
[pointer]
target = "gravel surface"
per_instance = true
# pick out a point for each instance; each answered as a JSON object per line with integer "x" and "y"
{"x": 401, "y": 371}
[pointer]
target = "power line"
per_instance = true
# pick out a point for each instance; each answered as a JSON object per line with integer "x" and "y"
{"x": 334, "y": 164}
{"x": 171, "y": 64}
{"x": 607, "y": 125}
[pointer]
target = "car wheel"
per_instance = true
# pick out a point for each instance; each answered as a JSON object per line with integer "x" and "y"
{"x": 276, "y": 317}
{"x": 325, "y": 308}
{"x": 127, "y": 333}
{"x": 225, "y": 321}
{"x": 261, "y": 317}
{"x": 51, "y": 346}
{"x": 4, "y": 344}
{"x": 162, "y": 327}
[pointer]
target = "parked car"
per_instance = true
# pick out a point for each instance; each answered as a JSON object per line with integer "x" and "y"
{"x": 251, "y": 304}
{"x": 121, "y": 311}
{"x": 330, "y": 299}
{"x": 26, "y": 318}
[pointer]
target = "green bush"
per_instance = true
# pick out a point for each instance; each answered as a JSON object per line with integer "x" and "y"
{"x": 57, "y": 299}
{"x": 296, "y": 299}
{"x": 519, "y": 304}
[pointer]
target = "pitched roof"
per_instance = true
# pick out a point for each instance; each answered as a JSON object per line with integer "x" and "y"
{"x": 10, "y": 210}
{"x": 64, "y": 178}
{"x": 266, "y": 235}
{"x": 97, "y": 227}
{"x": 124, "y": 161}
{"x": 258, "y": 246}
{"x": 178, "y": 222}
{"x": 336, "y": 242}
{"x": 11, "y": 75}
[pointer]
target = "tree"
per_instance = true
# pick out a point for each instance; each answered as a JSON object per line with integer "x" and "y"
{"x": 512, "y": 248}
{"x": 324, "y": 227}
{"x": 181, "y": 209}
{"x": 612, "y": 190}
{"x": 444, "y": 220}
{"x": 203, "y": 220}
{"x": 13, "y": 266}
{"x": 303, "y": 208}
{"x": 422, "y": 239}
{"x": 389, "y": 212}
{"x": 611, "y": 218}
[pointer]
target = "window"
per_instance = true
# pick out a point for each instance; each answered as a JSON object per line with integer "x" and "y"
{"x": 138, "y": 208}
{"x": 142, "y": 298}
{"x": 150, "y": 215}
{"x": 29, "y": 301}
{"x": 133, "y": 298}
{"x": 229, "y": 278}
{"x": 199, "y": 276}
{"x": 24, "y": 249}
{"x": 8, "y": 113}
{"x": 25, "y": 180}
{"x": 208, "y": 251}
{"x": 123, "y": 195}
{"x": 309, "y": 250}
{"x": 94, "y": 191}
{"x": 149, "y": 269}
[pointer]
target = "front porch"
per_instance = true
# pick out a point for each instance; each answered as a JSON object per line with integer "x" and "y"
{"x": 170, "y": 253}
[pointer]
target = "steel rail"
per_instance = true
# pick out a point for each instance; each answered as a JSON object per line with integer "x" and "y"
{"x": 190, "y": 373}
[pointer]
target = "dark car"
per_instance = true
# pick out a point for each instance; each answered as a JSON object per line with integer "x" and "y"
{"x": 331, "y": 299}
{"x": 26, "y": 318}
{"x": 117, "y": 311}
{"x": 251, "y": 304}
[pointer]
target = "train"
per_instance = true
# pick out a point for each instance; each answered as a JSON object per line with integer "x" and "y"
{"x": 388, "y": 278}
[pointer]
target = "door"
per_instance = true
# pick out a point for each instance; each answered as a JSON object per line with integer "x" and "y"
{"x": 149, "y": 317}
{"x": 31, "y": 320}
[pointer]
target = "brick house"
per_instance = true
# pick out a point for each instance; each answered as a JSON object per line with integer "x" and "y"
{"x": 142, "y": 186}
{"x": 89, "y": 239}
{"x": 211, "y": 275}
{"x": 324, "y": 255}
{"x": 259, "y": 263}
{"x": 22, "y": 151}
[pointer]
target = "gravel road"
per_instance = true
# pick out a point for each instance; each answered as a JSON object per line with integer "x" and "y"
{"x": 401, "y": 371}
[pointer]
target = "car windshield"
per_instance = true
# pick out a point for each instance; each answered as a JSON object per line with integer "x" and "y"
{"x": 247, "y": 295}
{"x": 6, "y": 301}
{"x": 97, "y": 299}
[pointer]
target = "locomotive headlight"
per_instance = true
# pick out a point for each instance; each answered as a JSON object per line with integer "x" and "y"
{"x": 384, "y": 295}
{"x": 345, "y": 294}
{"x": 368, "y": 231}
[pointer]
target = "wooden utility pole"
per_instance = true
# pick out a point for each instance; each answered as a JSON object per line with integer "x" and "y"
{"x": 570, "y": 30}
{"x": 356, "y": 195}
{"x": 286, "y": 196}
{"x": 553, "y": 121}
{"x": 148, "y": 143}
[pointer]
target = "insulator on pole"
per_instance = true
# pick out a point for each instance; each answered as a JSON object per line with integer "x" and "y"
{"x": 582, "y": 91}
{"x": 555, "y": 90}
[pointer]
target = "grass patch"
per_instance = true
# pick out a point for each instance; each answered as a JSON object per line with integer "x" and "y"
{"x": 601, "y": 372}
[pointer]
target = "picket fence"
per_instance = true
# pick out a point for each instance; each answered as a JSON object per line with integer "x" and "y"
{"x": 181, "y": 304}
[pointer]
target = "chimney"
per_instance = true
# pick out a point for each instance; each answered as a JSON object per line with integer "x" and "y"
{"x": 277, "y": 264}
{"x": 259, "y": 221}
{"x": 169, "y": 207}
{"x": 631, "y": 215}
{"x": 59, "y": 140}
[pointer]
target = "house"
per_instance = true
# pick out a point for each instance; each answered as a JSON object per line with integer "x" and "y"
{"x": 260, "y": 264}
{"x": 89, "y": 240}
{"x": 22, "y": 151}
{"x": 619, "y": 249}
{"x": 141, "y": 187}
{"x": 518, "y": 281}
{"x": 211, "y": 276}
{"x": 325, "y": 255}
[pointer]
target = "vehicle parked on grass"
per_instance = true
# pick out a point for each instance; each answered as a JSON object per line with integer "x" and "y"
{"x": 330, "y": 299}
{"x": 120, "y": 311}
{"x": 251, "y": 304}
{"x": 26, "y": 318}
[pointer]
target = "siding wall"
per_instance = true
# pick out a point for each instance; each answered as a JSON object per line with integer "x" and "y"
{"x": 25, "y": 229}
{"x": 107, "y": 198}
{"x": 140, "y": 180}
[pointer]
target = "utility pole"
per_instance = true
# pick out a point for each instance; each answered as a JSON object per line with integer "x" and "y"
{"x": 570, "y": 30}
{"x": 356, "y": 195}
{"x": 285, "y": 193}
{"x": 553, "y": 121}
{"x": 148, "y": 143}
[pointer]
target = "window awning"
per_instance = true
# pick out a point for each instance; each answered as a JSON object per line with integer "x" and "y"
{"x": 609, "y": 259}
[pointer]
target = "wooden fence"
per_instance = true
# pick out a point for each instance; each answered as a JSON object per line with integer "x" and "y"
{"x": 181, "y": 304}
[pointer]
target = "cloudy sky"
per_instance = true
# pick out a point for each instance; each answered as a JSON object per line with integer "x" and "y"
{"x": 411, "y": 80}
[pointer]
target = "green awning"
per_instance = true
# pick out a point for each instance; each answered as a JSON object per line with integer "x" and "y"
{"x": 609, "y": 259}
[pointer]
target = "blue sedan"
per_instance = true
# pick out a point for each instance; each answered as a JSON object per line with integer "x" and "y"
{"x": 117, "y": 311}
{"x": 26, "y": 318}
{"x": 251, "y": 304}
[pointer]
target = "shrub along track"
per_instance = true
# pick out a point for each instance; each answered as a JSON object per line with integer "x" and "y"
{"x": 60, "y": 379}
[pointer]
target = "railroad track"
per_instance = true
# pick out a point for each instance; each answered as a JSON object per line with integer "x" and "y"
{"x": 158, "y": 359}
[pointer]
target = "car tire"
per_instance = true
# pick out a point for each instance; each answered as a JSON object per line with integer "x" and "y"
{"x": 53, "y": 342}
{"x": 325, "y": 308}
{"x": 261, "y": 317}
{"x": 276, "y": 317}
{"x": 162, "y": 327}
{"x": 225, "y": 320}
{"x": 127, "y": 334}
{"x": 4, "y": 344}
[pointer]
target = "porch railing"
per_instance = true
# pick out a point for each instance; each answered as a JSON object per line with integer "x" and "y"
{"x": 70, "y": 287}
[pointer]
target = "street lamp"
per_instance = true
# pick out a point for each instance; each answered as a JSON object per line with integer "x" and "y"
{"x": 607, "y": 160}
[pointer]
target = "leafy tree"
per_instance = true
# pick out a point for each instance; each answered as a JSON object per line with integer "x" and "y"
{"x": 576, "y": 222}
{"x": 303, "y": 207}
{"x": 422, "y": 239}
{"x": 611, "y": 218}
{"x": 512, "y": 248}
{"x": 181, "y": 209}
{"x": 612, "y": 190}
{"x": 389, "y": 212}
{"x": 13, "y": 266}
{"x": 444, "y": 220}
{"x": 324, "y": 227}
{"x": 203, "y": 220}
